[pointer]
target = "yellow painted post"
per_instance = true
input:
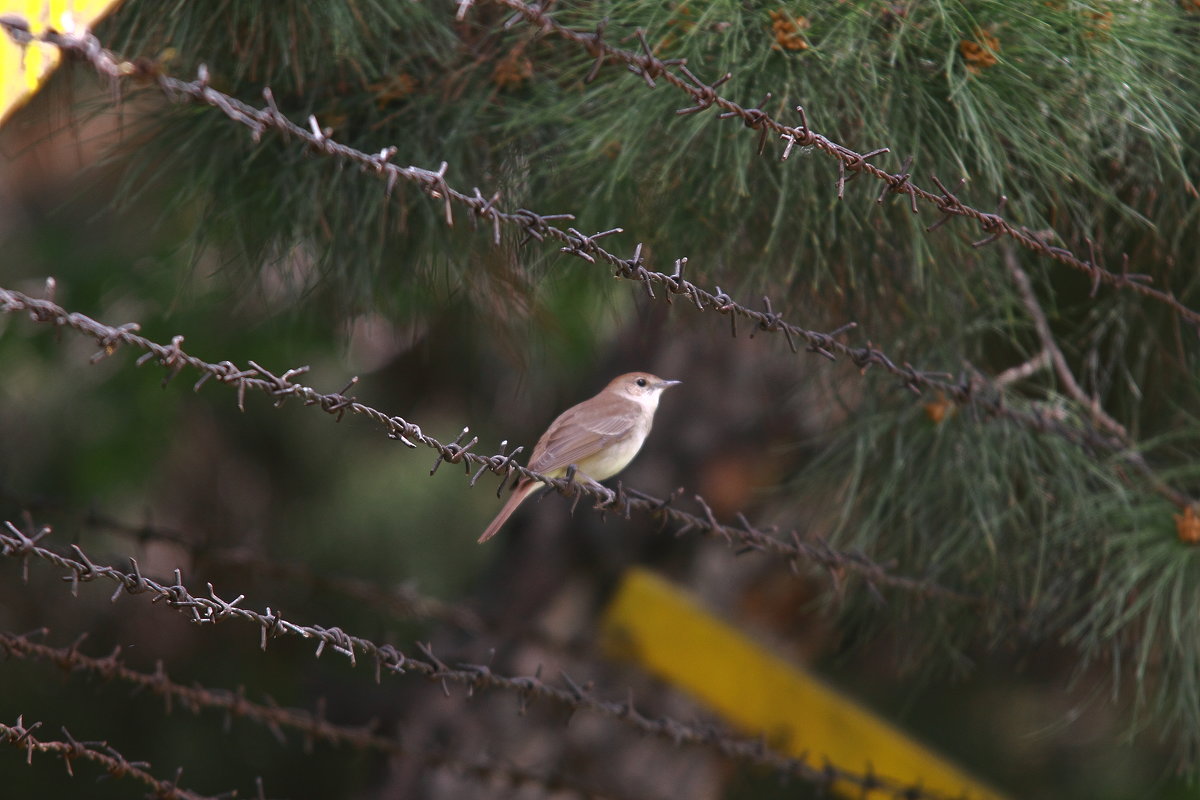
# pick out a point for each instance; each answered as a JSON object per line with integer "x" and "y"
{"x": 667, "y": 631}
{"x": 24, "y": 69}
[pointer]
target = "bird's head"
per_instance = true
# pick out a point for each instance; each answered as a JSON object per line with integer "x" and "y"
{"x": 641, "y": 387}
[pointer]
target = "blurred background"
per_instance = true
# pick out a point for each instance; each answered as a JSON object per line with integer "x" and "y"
{"x": 1071, "y": 671}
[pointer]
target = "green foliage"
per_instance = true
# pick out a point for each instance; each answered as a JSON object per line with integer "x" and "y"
{"x": 1086, "y": 116}
{"x": 1056, "y": 543}
{"x": 1142, "y": 617}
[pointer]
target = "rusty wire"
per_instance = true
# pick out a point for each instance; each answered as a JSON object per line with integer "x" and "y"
{"x": 401, "y": 600}
{"x": 101, "y": 753}
{"x": 705, "y": 96}
{"x": 312, "y": 725}
{"x": 793, "y": 549}
{"x": 15, "y": 543}
{"x": 976, "y": 391}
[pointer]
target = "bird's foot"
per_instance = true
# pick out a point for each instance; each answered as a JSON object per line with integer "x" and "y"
{"x": 608, "y": 495}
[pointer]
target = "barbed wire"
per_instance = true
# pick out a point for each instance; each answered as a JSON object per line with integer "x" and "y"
{"x": 101, "y": 753}
{"x": 534, "y": 225}
{"x": 973, "y": 391}
{"x": 624, "y": 500}
{"x": 584, "y": 247}
{"x": 705, "y": 96}
{"x": 15, "y": 543}
{"x": 401, "y": 600}
{"x": 313, "y": 726}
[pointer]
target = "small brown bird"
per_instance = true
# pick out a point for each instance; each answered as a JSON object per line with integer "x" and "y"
{"x": 599, "y": 437}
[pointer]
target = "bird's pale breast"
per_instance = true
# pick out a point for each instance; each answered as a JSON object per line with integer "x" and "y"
{"x": 599, "y": 444}
{"x": 613, "y": 458}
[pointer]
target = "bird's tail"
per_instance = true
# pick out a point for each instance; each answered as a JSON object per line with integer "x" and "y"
{"x": 515, "y": 499}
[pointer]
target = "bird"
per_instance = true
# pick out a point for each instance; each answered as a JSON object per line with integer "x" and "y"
{"x": 598, "y": 437}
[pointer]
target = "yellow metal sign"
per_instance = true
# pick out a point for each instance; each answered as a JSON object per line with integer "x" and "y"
{"x": 23, "y": 69}
{"x": 669, "y": 633}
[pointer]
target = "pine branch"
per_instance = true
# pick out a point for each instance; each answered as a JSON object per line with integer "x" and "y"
{"x": 1101, "y": 418}
{"x": 978, "y": 393}
{"x": 705, "y": 96}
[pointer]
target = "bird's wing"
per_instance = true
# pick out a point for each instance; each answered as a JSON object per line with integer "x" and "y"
{"x": 569, "y": 440}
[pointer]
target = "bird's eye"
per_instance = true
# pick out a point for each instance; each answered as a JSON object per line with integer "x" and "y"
{"x": 640, "y": 381}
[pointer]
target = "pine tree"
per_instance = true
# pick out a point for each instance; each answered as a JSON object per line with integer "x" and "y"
{"x": 955, "y": 243}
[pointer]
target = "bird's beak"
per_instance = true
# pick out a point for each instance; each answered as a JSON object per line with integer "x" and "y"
{"x": 668, "y": 384}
